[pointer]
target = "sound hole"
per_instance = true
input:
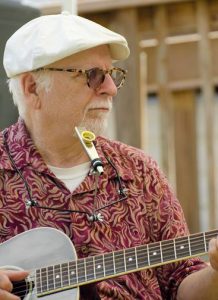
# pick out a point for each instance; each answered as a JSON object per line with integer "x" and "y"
{"x": 22, "y": 288}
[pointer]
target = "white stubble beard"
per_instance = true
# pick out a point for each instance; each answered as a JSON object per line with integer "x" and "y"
{"x": 99, "y": 124}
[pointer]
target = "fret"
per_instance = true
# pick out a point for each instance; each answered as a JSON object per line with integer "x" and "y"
{"x": 154, "y": 253}
{"x": 119, "y": 261}
{"x": 130, "y": 259}
{"x": 149, "y": 263}
{"x": 207, "y": 239}
{"x": 189, "y": 246}
{"x": 109, "y": 264}
{"x": 44, "y": 280}
{"x": 168, "y": 250}
{"x": 114, "y": 263}
{"x": 68, "y": 272}
{"x": 94, "y": 267}
{"x": 174, "y": 245}
{"x": 38, "y": 281}
{"x": 124, "y": 256}
{"x": 57, "y": 276}
{"x": 99, "y": 266}
{"x": 85, "y": 275}
{"x": 90, "y": 269}
{"x": 104, "y": 265}
{"x": 65, "y": 275}
{"x": 197, "y": 243}
{"x": 81, "y": 270}
{"x": 47, "y": 276}
{"x": 205, "y": 243}
{"x": 209, "y": 235}
{"x": 136, "y": 259}
{"x": 77, "y": 275}
{"x": 51, "y": 278}
{"x": 142, "y": 256}
{"x": 182, "y": 247}
{"x": 61, "y": 273}
{"x": 161, "y": 253}
{"x": 73, "y": 273}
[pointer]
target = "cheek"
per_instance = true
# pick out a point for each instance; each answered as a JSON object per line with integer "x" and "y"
{"x": 68, "y": 100}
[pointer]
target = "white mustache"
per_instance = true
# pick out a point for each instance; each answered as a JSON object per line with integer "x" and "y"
{"x": 105, "y": 104}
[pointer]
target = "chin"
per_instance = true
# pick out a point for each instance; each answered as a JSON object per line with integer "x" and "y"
{"x": 98, "y": 127}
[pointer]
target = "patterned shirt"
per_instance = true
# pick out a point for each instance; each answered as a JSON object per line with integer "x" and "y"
{"x": 150, "y": 213}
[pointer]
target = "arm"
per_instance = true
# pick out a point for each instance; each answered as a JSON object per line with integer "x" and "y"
{"x": 202, "y": 284}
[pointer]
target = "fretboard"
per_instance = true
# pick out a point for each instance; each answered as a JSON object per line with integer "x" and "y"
{"x": 95, "y": 268}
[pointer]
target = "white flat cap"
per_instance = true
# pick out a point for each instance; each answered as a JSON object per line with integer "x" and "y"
{"x": 50, "y": 38}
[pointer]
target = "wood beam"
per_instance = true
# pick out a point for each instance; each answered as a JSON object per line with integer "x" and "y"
{"x": 167, "y": 129}
{"x": 93, "y": 6}
{"x": 208, "y": 99}
{"x": 128, "y": 101}
{"x": 102, "y": 5}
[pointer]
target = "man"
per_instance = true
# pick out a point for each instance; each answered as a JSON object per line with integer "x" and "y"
{"x": 62, "y": 77}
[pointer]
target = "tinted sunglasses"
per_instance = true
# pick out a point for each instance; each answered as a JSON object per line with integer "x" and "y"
{"x": 95, "y": 76}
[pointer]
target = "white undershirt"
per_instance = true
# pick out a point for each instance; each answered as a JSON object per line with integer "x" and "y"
{"x": 72, "y": 177}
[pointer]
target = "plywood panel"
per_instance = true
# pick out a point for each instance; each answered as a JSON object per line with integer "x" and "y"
{"x": 213, "y": 14}
{"x": 181, "y": 18}
{"x": 186, "y": 162}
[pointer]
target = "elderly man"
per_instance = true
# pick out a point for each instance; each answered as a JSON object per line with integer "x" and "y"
{"x": 62, "y": 78}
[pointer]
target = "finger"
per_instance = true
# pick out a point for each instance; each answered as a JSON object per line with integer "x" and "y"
{"x": 15, "y": 275}
{"x": 213, "y": 253}
{"x": 4, "y": 295}
{"x": 5, "y": 283}
{"x": 213, "y": 245}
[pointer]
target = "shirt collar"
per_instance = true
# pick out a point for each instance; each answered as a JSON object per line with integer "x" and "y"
{"x": 111, "y": 150}
{"x": 24, "y": 153}
{"x": 21, "y": 148}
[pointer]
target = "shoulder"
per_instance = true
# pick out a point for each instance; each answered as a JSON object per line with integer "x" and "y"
{"x": 126, "y": 154}
{"x": 5, "y": 142}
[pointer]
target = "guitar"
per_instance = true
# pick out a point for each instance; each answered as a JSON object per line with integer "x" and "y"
{"x": 56, "y": 273}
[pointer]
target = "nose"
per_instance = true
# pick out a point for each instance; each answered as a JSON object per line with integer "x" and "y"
{"x": 107, "y": 87}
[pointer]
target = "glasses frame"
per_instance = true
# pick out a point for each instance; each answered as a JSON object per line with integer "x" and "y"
{"x": 87, "y": 72}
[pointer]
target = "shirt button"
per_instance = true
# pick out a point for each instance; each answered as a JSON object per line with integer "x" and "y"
{"x": 84, "y": 249}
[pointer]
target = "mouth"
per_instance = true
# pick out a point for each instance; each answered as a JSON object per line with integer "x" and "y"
{"x": 99, "y": 108}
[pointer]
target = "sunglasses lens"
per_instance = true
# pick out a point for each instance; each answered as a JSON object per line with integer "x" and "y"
{"x": 95, "y": 78}
{"x": 118, "y": 77}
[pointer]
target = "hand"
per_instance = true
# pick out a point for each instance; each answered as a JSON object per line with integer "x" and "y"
{"x": 6, "y": 286}
{"x": 213, "y": 253}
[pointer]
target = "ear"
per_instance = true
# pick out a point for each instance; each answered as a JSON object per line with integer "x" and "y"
{"x": 29, "y": 89}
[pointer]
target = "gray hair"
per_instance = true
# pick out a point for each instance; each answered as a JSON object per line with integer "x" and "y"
{"x": 43, "y": 81}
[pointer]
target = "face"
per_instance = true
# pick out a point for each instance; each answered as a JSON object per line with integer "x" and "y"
{"x": 70, "y": 102}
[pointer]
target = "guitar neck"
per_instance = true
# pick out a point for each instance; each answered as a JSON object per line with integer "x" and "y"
{"x": 95, "y": 268}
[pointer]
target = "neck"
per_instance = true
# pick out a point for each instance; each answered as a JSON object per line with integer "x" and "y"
{"x": 57, "y": 149}
{"x": 64, "y": 155}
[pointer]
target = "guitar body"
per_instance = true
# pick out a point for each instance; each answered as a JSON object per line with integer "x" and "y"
{"x": 56, "y": 273}
{"x": 36, "y": 249}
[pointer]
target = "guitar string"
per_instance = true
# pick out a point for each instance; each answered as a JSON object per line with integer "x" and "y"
{"x": 68, "y": 281}
{"x": 122, "y": 256}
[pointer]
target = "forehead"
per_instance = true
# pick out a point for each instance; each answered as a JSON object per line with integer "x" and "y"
{"x": 96, "y": 55}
